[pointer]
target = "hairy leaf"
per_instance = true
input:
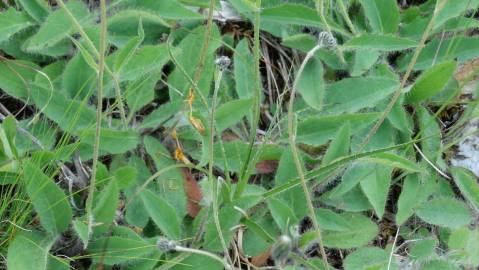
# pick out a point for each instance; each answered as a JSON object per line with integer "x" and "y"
{"x": 447, "y": 212}
{"x": 57, "y": 27}
{"x": 11, "y": 22}
{"x": 48, "y": 199}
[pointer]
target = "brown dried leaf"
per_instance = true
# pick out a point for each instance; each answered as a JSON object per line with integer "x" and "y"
{"x": 193, "y": 194}
{"x": 266, "y": 166}
{"x": 466, "y": 70}
{"x": 261, "y": 259}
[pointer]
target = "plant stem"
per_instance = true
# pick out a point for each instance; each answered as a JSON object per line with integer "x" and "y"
{"x": 99, "y": 109}
{"x": 296, "y": 158}
{"x": 119, "y": 98}
{"x": 98, "y": 55}
{"x": 344, "y": 11}
{"x": 244, "y": 175}
{"x": 203, "y": 253}
{"x": 320, "y": 10}
{"x": 213, "y": 180}
{"x": 410, "y": 67}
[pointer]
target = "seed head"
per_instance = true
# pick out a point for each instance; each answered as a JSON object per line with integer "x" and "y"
{"x": 165, "y": 244}
{"x": 223, "y": 62}
{"x": 281, "y": 249}
{"x": 327, "y": 40}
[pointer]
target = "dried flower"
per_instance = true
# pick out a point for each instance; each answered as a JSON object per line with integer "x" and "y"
{"x": 327, "y": 40}
{"x": 223, "y": 62}
{"x": 166, "y": 245}
{"x": 281, "y": 249}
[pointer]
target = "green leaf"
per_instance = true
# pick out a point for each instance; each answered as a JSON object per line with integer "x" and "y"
{"x": 168, "y": 9}
{"x": 414, "y": 192}
{"x": 376, "y": 188}
{"x": 283, "y": 215}
{"x": 8, "y": 178}
{"x": 352, "y": 94}
{"x": 368, "y": 258}
{"x": 232, "y": 112}
{"x": 136, "y": 213}
{"x": 70, "y": 115}
{"x": 361, "y": 231}
{"x": 8, "y": 133}
{"x": 438, "y": 264}
{"x": 292, "y": 14}
{"x": 331, "y": 221}
{"x": 188, "y": 58}
{"x": 199, "y": 262}
{"x": 160, "y": 115}
{"x": 81, "y": 228}
{"x": 29, "y": 251}
{"x": 438, "y": 50}
{"x": 48, "y": 199}
{"x": 295, "y": 196}
{"x": 468, "y": 185}
{"x": 310, "y": 133}
{"x": 171, "y": 183}
{"x": 123, "y": 26}
{"x": 423, "y": 250}
{"x": 113, "y": 141}
{"x": 244, "y": 74}
{"x": 305, "y": 42}
{"x": 37, "y": 9}
{"x": 387, "y": 43}
{"x": 311, "y": 84}
{"x": 446, "y": 212}
{"x": 431, "y": 133}
{"x": 105, "y": 208}
{"x": 383, "y": 15}
{"x": 11, "y": 22}
{"x": 147, "y": 59}
{"x": 353, "y": 175}
{"x": 229, "y": 218}
{"x": 125, "y": 54}
{"x": 120, "y": 249}
{"x": 353, "y": 201}
{"x": 125, "y": 176}
{"x": 57, "y": 27}
{"x": 163, "y": 214}
{"x": 78, "y": 78}
{"x": 363, "y": 60}
{"x": 15, "y": 76}
{"x": 431, "y": 82}
{"x": 141, "y": 92}
{"x": 454, "y": 9}
{"x": 394, "y": 161}
{"x": 464, "y": 246}
{"x": 339, "y": 146}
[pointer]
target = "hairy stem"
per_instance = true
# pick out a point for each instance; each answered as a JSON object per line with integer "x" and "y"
{"x": 98, "y": 55}
{"x": 296, "y": 158}
{"x": 410, "y": 67}
{"x": 213, "y": 180}
{"x": 96, "y": 146}
{"x": 320, "y": 10}
{"x": 345, "y": 14}
{"x": 244, "y": 175}
{"x": 203, "y": 253}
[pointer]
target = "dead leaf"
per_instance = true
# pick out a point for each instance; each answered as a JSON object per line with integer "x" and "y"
{"x": 261, "y": 259}
{"x": 266, "y": 166}
{"x": 193, "y": 194}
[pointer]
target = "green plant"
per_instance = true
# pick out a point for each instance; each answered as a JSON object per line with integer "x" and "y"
{"x": 145, "y": 134}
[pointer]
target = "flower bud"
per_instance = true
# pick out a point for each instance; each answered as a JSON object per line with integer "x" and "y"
{"x": 165, "y": 245}
{"x": 223, "y": 62}
{"x": 281, "y": 249}
{"x": 327, "y": 40}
